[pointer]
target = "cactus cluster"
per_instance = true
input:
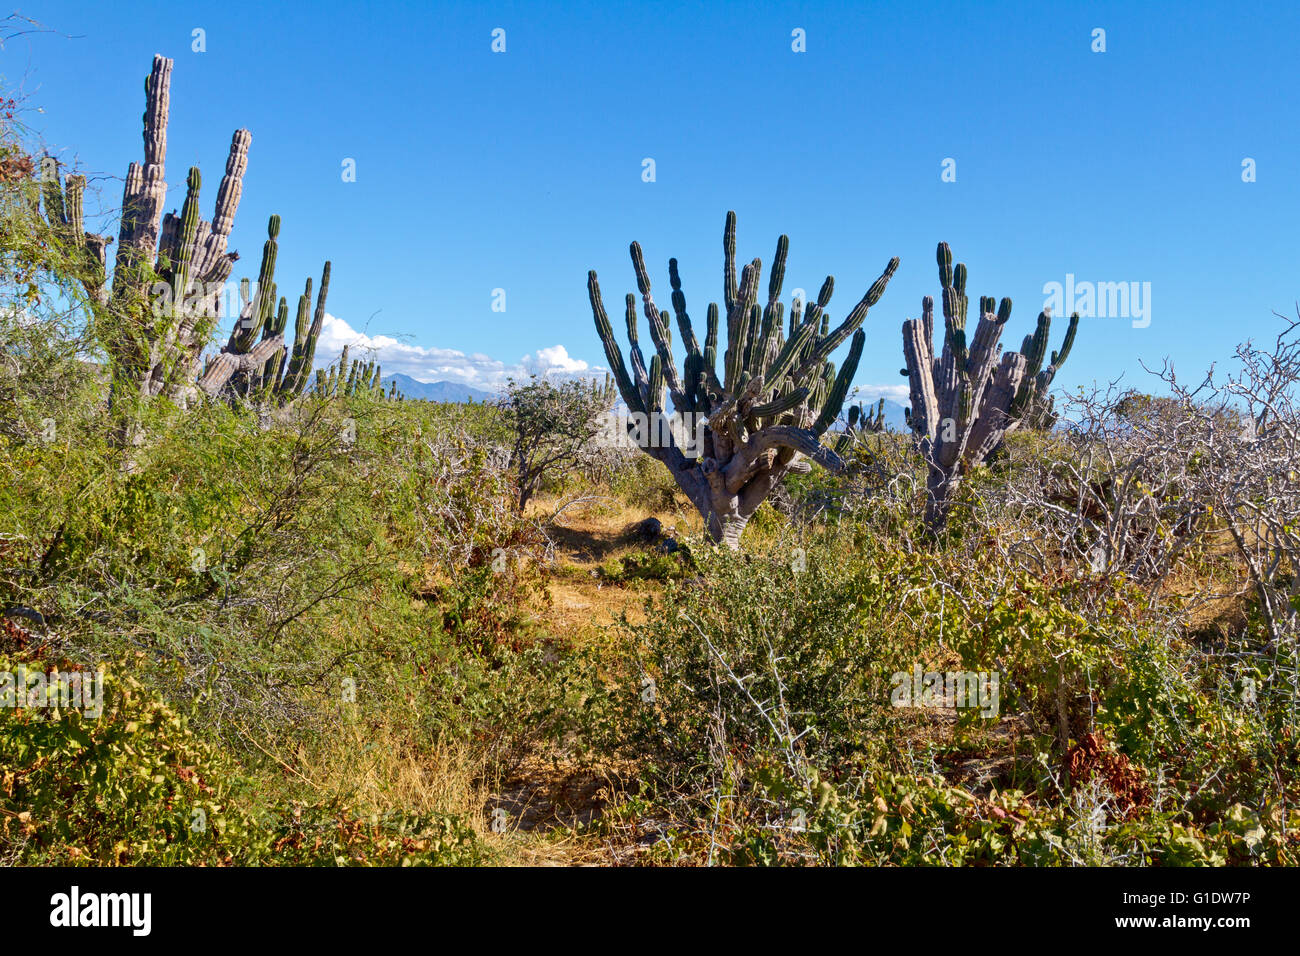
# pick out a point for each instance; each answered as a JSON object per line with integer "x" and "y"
{"x": 169, "y": 272}
{"x": 361, "y": 377}
{"x": 966, "y": 400}
{"x": 762, "y": 414}
{"x": 862, "y": 421}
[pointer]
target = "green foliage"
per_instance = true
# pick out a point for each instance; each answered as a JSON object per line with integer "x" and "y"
{"x": 771, "y": 716}
{"x": 136, "y": 785}
{"x": 643, "y": 566}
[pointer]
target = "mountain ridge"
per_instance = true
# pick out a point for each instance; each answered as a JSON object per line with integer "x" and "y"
{"x": 434, "y": 391}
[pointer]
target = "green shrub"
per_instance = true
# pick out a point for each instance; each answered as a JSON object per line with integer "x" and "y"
{"x": 136, "y": 785}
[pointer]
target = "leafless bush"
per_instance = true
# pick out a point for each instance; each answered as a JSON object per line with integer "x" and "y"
{"x": 1114, "y": 492}
{"x": 1251, "y": 473}
{"x": 1133, "y": 484}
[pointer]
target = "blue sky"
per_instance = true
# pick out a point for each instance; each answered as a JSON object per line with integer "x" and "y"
{"x": 522, "y": 170}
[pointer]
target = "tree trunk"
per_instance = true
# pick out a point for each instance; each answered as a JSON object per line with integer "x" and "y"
{"x": 726, "y": 528}
{"x": 939, "y": 489}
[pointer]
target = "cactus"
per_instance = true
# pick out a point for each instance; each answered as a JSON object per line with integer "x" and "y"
{"x": 765, "y": 416}
{"x": 965, "y": 401}
{"x": 305, "y": 336}
{"x": 344, "y": 378}
{"x": 163, "y": 302}
{"x": 861, "y": 423}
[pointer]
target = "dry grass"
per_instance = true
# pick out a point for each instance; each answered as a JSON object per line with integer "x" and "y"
{"x": 587, "y": 535}
{"x": 381, "y": 768}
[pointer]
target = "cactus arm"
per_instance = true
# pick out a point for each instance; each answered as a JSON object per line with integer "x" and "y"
{"x": 659, "y": 332}
{"x": 689, "y": 342}
{"x": 305, "y": 337}
{"x": 784, "y": 403}
{"x": 851, "y": 322}
{"x": 729, "y": 287}
{"x": 145, "y": 189}
{"x": 835, "y": 399}
{"x": 613, "y": 354}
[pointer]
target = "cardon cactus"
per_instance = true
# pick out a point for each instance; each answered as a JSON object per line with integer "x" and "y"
{"x": 966, "y": 400}
{"x": 736, "y": 436}
{"x": 862, "y": 421}
{"x": 170, "y": 271}
{"x": 356, "y": 378}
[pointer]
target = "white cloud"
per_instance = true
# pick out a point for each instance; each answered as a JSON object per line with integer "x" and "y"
{"x": 554, "y": 361}
{"x": 873, "y": 393}
{"x": 443, "y": 365}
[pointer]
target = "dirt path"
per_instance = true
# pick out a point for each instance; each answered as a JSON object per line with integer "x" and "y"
{"x": 549, "y": 795}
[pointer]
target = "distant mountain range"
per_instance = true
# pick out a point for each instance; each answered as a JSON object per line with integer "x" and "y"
{"x": 434, "y": 391}
{"x": 455, "y": 392}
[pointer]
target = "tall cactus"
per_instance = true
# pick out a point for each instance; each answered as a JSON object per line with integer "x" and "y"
{"x": 966, "y": 400}
{"x": 305, "y": 336}
{"x": 765, "y": 416}
{"x": 1034, "y": 404}
{"x": 169, "y": 271}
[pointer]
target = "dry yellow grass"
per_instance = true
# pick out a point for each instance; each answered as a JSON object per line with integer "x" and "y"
{"x": 383, "y": 769}
{"x": 587, "y": 535}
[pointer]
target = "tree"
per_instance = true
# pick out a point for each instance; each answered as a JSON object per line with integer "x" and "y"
{"x": 551, "y": 424}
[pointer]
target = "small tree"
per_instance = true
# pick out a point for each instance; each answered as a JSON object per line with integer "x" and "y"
{"x": 551, "y": 425}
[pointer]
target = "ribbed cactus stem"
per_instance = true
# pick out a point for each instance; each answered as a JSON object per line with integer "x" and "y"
{"x": 613, "y": 353}
{"x": 188, "y": 231}
{"x": 964, "y": 400}
{"x": 783, "y": 403}
{"x": 305, "y": 338}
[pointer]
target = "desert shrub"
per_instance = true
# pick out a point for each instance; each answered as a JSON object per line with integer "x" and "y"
{"x": 136, "y": 785}
{"x": 551, "y": 425}
{"x": 251, "y": 567}
{"x": 757, "y": 706}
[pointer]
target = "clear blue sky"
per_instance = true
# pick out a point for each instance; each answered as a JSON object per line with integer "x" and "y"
{"x": 523, "y": 170}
